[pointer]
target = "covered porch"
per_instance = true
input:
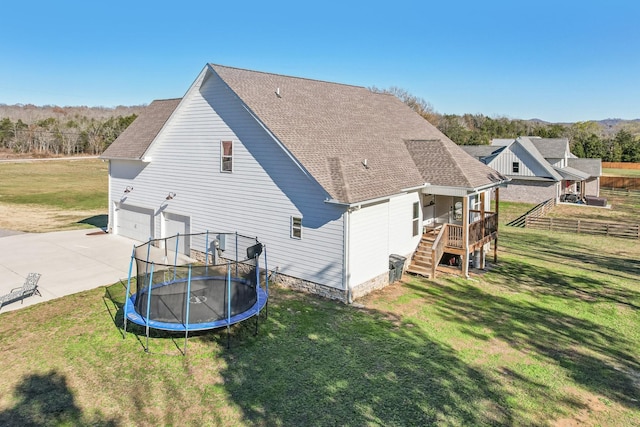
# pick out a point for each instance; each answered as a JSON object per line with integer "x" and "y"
{"x": 454, "y": 229}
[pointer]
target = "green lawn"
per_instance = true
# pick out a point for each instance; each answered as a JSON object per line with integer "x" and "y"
{"x": 53, "y": 195}
{"x": 549, "y": 335}
{"x": 621, "y": 172}
{"x": 76, "y": 184}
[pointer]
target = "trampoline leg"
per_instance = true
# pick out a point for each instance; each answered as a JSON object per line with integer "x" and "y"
{"x": 228, "y": 338}
{"x": 257, "y": 318}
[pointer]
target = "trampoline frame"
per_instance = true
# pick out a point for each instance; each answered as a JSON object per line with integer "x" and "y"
{"x": 131, "y": 314}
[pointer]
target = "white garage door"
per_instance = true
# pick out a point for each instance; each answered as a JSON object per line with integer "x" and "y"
{"x": 174, "y": 224}
{"x": 134, "y": 222}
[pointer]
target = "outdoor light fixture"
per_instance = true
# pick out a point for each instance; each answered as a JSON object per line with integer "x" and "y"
{"x": 129, "y": 189}
{"x": 171, "y": 195}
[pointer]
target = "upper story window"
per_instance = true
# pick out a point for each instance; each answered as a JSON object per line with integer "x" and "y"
{"x": 296, "y": 227}
{"x": 515, "y": 167}
{"x": 226, "y": 156}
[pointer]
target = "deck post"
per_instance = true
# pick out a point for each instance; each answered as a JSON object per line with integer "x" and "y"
{"x": 465, "y": 236}
{"x": 495, "y": 242}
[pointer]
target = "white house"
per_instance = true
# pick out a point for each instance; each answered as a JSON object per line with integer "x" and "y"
{"x": 332, "y": 178}
{"x": 539, "y": 168}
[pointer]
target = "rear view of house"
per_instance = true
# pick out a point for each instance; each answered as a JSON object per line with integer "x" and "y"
{"x": 333, "y": 178}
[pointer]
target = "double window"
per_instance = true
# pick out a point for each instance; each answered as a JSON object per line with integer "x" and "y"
{"x": 226, "y": 156}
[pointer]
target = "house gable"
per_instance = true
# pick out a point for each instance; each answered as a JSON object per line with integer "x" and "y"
{"x": 262, "y": 194}
{"x": 531, "y": 164}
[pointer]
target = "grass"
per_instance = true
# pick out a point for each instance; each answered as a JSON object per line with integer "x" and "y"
{"x": 632, "y": 173}
{"x": 547, "y": 336}
{"x": 68, "y": 193}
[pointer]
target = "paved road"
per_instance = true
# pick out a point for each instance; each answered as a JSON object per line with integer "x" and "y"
{"x": 69, "y": 262}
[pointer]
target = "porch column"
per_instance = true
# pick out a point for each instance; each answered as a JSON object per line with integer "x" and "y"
{"x": 465, "y": 236}
{"x": 495, "y": 242}
{"x": 482, "y": 227}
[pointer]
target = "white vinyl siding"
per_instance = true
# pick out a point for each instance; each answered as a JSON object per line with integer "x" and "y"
{"x": 258, "y": 199}
{"x": 369, "y": 243}
{"x": 401, "y": 239}
{"x": 527, "y": 165}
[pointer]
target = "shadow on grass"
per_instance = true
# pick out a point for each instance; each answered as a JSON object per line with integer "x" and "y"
{"x": 45, "y": 400}
{"x": 99, "y": 221}
{"x": 585, "y": 287}
{"x": 593, "y": 355}
{"x": 317, "y": 362}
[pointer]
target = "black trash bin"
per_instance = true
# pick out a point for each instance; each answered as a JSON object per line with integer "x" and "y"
{"x": 396, "y": 267}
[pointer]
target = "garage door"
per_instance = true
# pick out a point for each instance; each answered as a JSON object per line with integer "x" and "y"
{"x": 174, "y": 224}
{"x": 134, "y": 222}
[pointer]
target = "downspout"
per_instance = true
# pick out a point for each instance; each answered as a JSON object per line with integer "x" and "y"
{"x": 110, "y": 210}
{"x": 346, "y": 269}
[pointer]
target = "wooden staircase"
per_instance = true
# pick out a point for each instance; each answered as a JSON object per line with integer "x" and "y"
{"x": 421, "y": 262}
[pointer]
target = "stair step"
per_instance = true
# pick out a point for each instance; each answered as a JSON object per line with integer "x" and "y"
{"x": 422, "y": 257}
{"x": 426, "y": 272}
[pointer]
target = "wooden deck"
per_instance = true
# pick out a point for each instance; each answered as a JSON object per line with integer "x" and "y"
{"x": 449, "y": 238}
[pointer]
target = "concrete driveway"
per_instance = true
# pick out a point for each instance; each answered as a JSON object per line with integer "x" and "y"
{"x": 69, "y": 262}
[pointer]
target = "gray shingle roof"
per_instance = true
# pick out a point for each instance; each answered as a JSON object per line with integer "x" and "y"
{"x": 134, "y": 141}
{"x": 480, "y": 151}
{"x": 551, "y": 148}
{"x": 442, "y": 162}
{"x": 591, "y": 166}
{"x": 332, "y": 128}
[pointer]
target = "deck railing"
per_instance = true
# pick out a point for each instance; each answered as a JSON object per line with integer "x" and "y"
{"x": 455, "y": 236}
{"x": 478, "y": 230}
{"x": 437, "y": 249}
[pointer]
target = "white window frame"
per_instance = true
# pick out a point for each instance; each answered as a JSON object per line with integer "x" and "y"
{"x": 223, "y": 156}
{"x": 296, "y": 227}
{"x": 514, "y": 166}
{"x": 415, "y": 214}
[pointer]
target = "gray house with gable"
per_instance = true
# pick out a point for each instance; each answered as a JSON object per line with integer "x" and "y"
{"x": 539, "y": 168}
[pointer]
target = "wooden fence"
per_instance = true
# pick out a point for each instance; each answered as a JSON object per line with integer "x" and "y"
{"x": 627, "y": 231}
{"x": 620, "y": 165}
{"x": 539, "y": 210}
{"x": 620, "y": 182}
{"x": 624, "y": 192}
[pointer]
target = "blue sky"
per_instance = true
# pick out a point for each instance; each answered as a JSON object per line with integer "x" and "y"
{"x": 552, "y": 60}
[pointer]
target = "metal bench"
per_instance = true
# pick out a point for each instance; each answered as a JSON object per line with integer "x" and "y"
{"x": 29, "y": 288}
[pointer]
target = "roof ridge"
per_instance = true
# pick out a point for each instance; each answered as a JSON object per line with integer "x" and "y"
{"x": 288, "y": 76}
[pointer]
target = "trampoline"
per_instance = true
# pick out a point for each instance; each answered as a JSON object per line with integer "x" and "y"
{"x": 182, "y": 289}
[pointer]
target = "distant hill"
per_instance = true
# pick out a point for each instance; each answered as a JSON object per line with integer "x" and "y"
{"x": 608, "y": 126}
{"x": 30, "y": 113}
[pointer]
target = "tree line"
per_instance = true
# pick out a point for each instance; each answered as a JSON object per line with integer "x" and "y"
{"x": 586, "y": 139}
{"x": 51, "y": 130}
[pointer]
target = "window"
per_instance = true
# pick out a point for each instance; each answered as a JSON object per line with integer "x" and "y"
{"x": 226, "y": 156}
{"x": 416, "y": 219}
{"x": 515, "y": 168}
{"x": 296, "y": 227}
{"x": 457, "y": 211}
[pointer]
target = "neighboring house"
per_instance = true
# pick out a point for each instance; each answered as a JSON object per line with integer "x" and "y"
{"x": 539, "y": 168}
{"x": 332, "y": 178}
